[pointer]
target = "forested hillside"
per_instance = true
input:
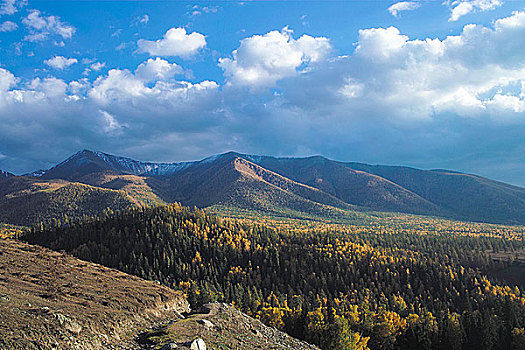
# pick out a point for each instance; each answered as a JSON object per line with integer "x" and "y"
{"x": 371, "y": 287}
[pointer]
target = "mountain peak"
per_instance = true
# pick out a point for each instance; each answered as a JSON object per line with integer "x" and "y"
{"x": 87, "y": 161}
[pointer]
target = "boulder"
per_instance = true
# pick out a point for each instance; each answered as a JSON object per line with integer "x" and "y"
{"x": 206, "y": 323}
{"x": 198, "y": 344}
{"x": 169, "y": 346}
{"x": 68, "y": 324}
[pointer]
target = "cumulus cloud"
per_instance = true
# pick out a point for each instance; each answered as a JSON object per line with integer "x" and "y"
{"x": 433, "y": 102}
{"x": 176, "y": 42}
{"x": 262, "y": 60}
{"x": 60, "y": 62}
{"x": 10, "y": 7}
{"x": 157, "y": 69}
{"x": 401, "y": 6}
{"x": 460, "y": 74}
{"x": 460, "y": 8}
{"x": 8, "y": 26}
{"x": 117, "y": 108}
{"x": 7, "y": 80}
{"x": 41, "y": 27}
{"x": 122, "y": 85}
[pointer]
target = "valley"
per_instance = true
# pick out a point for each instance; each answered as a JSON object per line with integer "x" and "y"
{"x": 302, "y": 252}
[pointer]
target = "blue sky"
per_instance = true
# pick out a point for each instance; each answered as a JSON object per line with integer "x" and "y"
{"x": 430, "y": 84}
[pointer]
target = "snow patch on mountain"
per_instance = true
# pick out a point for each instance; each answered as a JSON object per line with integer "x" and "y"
{"x": 5, "y": 174}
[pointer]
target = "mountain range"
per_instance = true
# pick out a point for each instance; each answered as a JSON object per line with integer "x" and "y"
{"x": 89, "y": 181}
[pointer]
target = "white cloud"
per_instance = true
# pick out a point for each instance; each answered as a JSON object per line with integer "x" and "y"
{"x": 460, "y": 8}
{"x": 262, "y": 60}
{"x": 110, "y": 123}
{"x": 10, "y": 7}
{"x": 49, "y": 87}
{"x": 393, "y": 99}
{"x": 401, "y": 6}
{"x": 380, "y": 43}
{"x": 157, "y": 69}
{"x": 41, "y": 27}
{"x": 60, "y": 62}
{"x": 197, "y": 10}
{"x": 8, "y": 26}
{"x": 7, "y": 80}
{"x": 144, "y": 19}
{"x": 97, "y": 66}
{"x": 478, "y": 73}
{"x": 176, "y": 42}
{"x": 122, "y": 85}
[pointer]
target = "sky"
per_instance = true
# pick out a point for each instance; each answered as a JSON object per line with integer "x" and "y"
{"x": 429, "y": 84}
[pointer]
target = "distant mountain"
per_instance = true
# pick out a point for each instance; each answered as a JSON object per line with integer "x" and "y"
{"x": 231, "y": 180}
{"x": 463, "y": 196}
{"x": 349, "y": 185}
{"x": 313, "y": 185}
{"x": 88, "y": 162}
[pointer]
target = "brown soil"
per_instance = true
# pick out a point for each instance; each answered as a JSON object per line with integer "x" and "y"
{"x": 50, "y": 300}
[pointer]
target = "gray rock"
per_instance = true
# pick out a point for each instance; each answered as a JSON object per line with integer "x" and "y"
{"x": 169, "y": 346}
{"x": 68, "y": 324}
{"x": 206, "y": 323}
{"x": 198, "y": 344}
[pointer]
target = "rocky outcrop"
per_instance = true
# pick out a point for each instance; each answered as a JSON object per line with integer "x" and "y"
{"x": 221, "y": 326}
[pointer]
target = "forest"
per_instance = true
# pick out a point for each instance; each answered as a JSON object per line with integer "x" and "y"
{"x": 382, "y": 286}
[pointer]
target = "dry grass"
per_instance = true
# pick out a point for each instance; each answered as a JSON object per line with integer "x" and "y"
{"x": 50, "y": 300}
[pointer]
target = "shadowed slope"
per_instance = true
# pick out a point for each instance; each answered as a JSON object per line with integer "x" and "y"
{"x": 349, "y": 185}
{"x": 465, "y": 196}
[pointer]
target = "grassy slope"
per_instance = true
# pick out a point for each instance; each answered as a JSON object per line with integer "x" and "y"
{"x": 464, "y": 196}
{"x": 233, "y": 181}
{"x": 48, "y": 299}
{"x": 25, "y": 201}
{"x": 349, "y": 185}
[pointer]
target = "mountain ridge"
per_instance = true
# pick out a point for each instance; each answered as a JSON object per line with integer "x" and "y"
{"x": 315, "y": 185}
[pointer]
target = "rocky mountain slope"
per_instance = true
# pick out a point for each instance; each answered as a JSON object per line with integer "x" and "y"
{"x": 313, "y": 185}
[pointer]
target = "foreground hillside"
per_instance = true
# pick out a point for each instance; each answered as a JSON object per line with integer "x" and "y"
{"x": 338, "y": 287}
{"x": 222, "y": 327}
{"x": 50, "y": 300}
